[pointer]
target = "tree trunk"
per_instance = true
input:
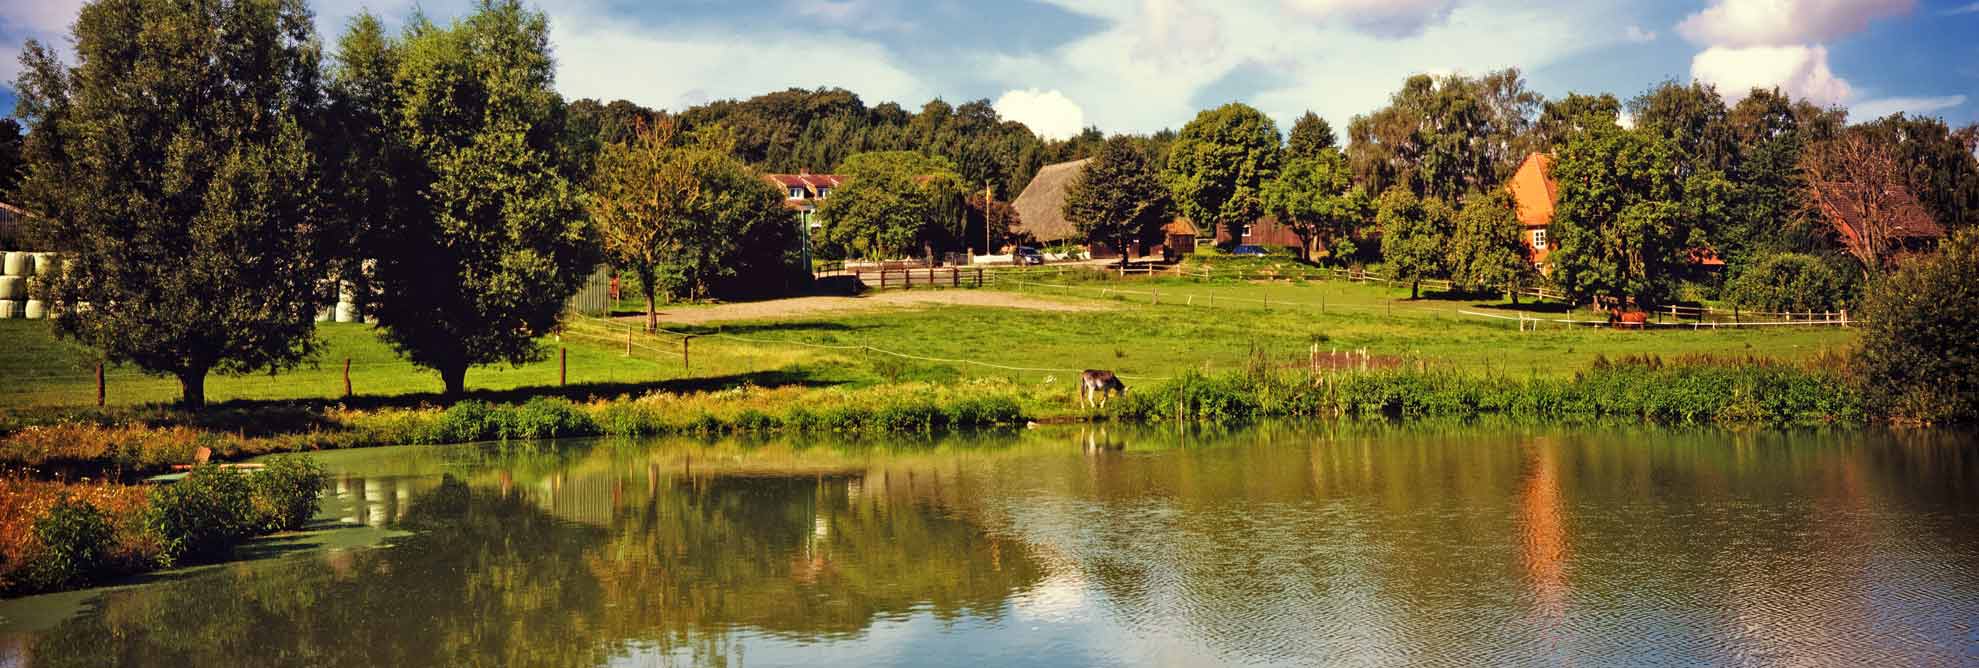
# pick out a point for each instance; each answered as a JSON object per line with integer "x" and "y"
{"x": 1415, "y": 289}
{"x": 192, "y": 389}
{"x": 652, "y": 311}
{"x": 1123, "y": 255}
{"x": 455, "y": 378}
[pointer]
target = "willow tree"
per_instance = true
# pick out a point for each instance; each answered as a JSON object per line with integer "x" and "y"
{"x": 492, "y": 239}
{"x": 188, "y": 217}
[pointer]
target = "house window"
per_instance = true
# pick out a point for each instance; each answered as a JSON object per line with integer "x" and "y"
{"x": 797, "y": 192}
{"x": 1539, "y": 239}
{"x": 1247, "y": 232}
{"x": 824, "y": 192}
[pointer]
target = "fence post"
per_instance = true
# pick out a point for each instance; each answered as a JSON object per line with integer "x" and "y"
{"x": 1154, "y": 296}
{"x": 628, "y": 340}
{"x": 685, "y": 364}
{"x": 347, "y": 392}
{"x": 563, "y": 368}
{"x": 99, "y": 384}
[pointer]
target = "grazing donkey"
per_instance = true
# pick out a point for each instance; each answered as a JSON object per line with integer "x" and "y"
{"x": 1100, "y": 384}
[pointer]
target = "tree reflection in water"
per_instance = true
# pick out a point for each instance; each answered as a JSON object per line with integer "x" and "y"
{"x": 1350, "y": 543}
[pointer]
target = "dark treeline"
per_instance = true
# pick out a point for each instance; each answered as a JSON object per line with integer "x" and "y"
{"x": 799, "y": 130}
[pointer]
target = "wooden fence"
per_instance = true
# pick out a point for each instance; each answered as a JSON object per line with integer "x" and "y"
{"x": 932, "y": 277}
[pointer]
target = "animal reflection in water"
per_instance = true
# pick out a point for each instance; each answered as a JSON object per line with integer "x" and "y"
{"x": 1098, "y": 385}
{"x": 1098, "y": 441}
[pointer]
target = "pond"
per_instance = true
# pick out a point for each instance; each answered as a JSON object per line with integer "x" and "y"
{"x": 1075, "y": 546}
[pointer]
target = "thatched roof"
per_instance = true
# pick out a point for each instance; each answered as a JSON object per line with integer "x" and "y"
{"x": 1041, "y": 207}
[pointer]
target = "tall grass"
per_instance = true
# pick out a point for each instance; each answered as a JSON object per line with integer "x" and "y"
{"x": 1686, "y": 391}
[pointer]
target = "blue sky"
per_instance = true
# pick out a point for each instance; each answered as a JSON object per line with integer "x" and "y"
{"x": 1142, "y": 65}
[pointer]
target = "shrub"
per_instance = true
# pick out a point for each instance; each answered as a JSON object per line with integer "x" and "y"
{"x": 462, "y": 422}
{"x": 203, "y": 515}
{"x": 1790, "y": 282}
{"x": 74, "y": 540}
{"x": 1920, "y": 356}
{"x": 285, "y": 492}
{"x": 542, "y": 417}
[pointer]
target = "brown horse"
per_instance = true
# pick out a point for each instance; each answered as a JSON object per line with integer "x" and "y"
{"x": 1101, "y": 384}
{"x": 1621, "y": 319}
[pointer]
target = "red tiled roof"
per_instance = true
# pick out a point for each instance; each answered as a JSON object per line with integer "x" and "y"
{"x": 1534, "y": 191}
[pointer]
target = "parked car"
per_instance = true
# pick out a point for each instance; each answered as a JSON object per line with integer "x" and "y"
{"x": 1248, "y": 249}
{"x": 1026, "y": 255}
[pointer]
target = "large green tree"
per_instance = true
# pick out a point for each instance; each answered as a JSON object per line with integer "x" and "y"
{"x": 491, "y": 240}
{"x": 1415, "y": 232}
{"x": 172, "y": 166}
{"x": 1316, "y": 199}
{"x": 1118, "y": 197}
{"x": 1219, "y": 163}
{"x": 1310, "y": 135}
{"x": 1694, "y": 120}
{"x": 1443, "y": 137}
{"x": 1919, "y": 356}
{"x": 1487, "y": 249}
{"x": 10, "y": 157}
{"x": 895, "y": 203}
{"x": 1618, "y": 230}
{"x": 1560, "y": 120}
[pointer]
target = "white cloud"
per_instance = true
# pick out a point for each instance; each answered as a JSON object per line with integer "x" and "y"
{"x": 1329, "y": 67}
{"x": 1384, "y": 18}
{"x": 1868, "y": 110}
{"x": 610, "y": 58}
{"x": 1747, "y": 23}
{"x": 1638, "y": 35}
{"x": 1800, "y": 71}
{"x": 1047, "y": 112}
{"x": 1955, "y": 11}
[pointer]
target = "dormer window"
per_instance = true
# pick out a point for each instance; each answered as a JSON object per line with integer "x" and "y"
{"x": 824, "y": 192}
{"x": 797, "y": 192}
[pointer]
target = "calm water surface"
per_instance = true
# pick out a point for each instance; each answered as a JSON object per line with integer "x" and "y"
{"x": 1280, "y": 545}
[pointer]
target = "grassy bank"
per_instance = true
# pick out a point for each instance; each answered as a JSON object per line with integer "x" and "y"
{"x": 57, "y": 535}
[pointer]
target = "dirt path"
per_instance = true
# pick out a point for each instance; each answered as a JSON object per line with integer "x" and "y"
{"x": 799, "y": 307}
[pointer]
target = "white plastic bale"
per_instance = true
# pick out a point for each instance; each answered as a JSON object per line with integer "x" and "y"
{"x": 13, "y": 287}
{"x": 323, "y": 315}
{"x": 44, "y": 263}
{"x": 346, "y": 312}
{"x": 16, "y": 263}
{"x": 9, "y": 309}
{"x": 34, "y": 310}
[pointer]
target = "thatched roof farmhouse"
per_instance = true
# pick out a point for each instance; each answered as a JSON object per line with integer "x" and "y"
{"x": 1041, "y": 207}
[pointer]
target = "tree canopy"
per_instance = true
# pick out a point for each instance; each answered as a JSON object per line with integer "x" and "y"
{"x": 1219, "y": 163}
{"x": 1415, "y": 232}
{"x": 1310, "y": 135}
{"x": 1617, "y": 230}
{"x": 491, "y": 240}
{"x": 894, "y": 203}
{"x": 188, "y": 219}
{"x": 1118, "y": 197}
{"x": 1487, "y": 249}
{"x": 1315, "y": 197}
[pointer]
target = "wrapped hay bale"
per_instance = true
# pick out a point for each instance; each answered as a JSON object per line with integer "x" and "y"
{"x": 35, "y": 310}
{"x": 323, "y": 315}
{"x": 16, "y": 263}
{"x": 44, "y": 263}
{"x": 9, "y": 309}
{"x": 13, "y": 287}
{"x": 346, "y": 312}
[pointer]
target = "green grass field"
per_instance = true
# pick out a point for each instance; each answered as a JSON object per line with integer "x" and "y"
{"x": 1133, "y": 335}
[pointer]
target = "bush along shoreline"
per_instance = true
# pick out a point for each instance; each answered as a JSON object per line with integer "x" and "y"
{"x": 56, "y": 536}
{"x": 1688, "y": 392}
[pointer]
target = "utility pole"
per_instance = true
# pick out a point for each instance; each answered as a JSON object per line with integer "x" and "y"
{"x": 989, "y": 202}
